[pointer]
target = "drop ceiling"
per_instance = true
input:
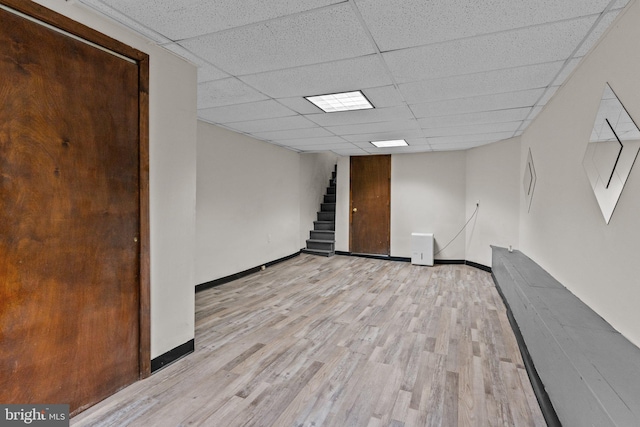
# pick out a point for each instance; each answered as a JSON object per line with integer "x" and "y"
{"x": 441, "y": 74}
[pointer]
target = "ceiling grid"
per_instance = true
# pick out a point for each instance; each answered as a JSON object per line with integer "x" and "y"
{"x": 442, "y": 74}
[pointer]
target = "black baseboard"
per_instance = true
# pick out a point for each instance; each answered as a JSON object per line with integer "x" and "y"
{"x": 172, "y": 355}
{"x": 548, "y": 412}
{"x": 478, "y": 266}
{"x": 221, "y": 281}
{"x": 407, "y": 259}
{"x": 449, "y": 261}
{"x": 374, "y": 256}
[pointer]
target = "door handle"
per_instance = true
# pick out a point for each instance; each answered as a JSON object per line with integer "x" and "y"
{"x": 355, "y": 209}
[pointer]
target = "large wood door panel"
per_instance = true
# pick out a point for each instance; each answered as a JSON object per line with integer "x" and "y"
{"x": 70, "y": 229}
{"x": 370, "y": 215}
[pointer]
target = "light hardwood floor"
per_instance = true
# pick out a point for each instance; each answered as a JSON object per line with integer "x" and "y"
{"x": 340, "y": 341}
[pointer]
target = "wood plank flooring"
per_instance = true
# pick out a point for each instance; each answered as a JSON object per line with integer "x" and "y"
{"x": 340, "y": 341}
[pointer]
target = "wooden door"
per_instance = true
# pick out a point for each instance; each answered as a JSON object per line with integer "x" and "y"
{"x": 71, "y": 171}
{"x": 370, "y": 216}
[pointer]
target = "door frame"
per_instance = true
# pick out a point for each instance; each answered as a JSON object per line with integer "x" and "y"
{"x": 54, "y": 19}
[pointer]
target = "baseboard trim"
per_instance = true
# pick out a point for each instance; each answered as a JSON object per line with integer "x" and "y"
{"x": 548, "y": 412}
{"x": 374, "y": 256}
{"x": 221, "y": 281}
{"x": 478, "y": 266}
{"x": 172, "y": 356}
{"x": 407, "y": 259}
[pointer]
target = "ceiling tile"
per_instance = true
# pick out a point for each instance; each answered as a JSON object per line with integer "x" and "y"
{"x": 188, "y": 18}
{"x": 470, "y": 130}
{"x": 506, "y": 80}
{"x": 497, "y": 116}
{"x": 385, "y": 96}
{"x": 266, "y": 125}
{"x": 472, "y": 138}
{"x": 515, "y": 48}
{"x": 321, "y": 35}
{"x": 322, "y": 147}
{"x": 396, "y": 24}
{"x": 361, "y": 116}
{"x": 459, "y": 146}
{"x": 293, "y": 134}
{"x": 229, "y": 91}
{"x": 314, "y": 141}
{"x": 329, "y": 77}
{"x": 125, "y": 19}
{"x": 597, "y": 32}
{"x": 351, "y": 152}
{"x": 498, "y": 101}
{"x": 384, "y": 136}
{"x": 243, "y": 112}
{"x": 300, "y": 105}
{"x": 374, "y": 127}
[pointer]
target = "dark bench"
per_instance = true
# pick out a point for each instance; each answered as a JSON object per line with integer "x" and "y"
{"x": 588, "y": 370}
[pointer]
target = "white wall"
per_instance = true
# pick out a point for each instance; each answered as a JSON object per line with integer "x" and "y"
{"x": 428, "y": 196}
{"x": 315, "y": 173}
{"x": 564, "y": 231}
{"x": 248, "y": 204}
{"x": 172, "y": 132}
{"x": 342, "y": 204}
{"x": 493, "y": 178}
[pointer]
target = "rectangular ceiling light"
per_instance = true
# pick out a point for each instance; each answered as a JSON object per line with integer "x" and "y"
{"x": 390, "y": 143}
{"x": 345, "y": 101}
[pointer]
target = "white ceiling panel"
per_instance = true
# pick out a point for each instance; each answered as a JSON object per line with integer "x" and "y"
{"x": 361, "y": 116}
{"x": 126, "y": 19}
{"x": 506, "y": 80}
{"x": 266, "y": 125}
{"x": 471, "y": 130}
{"x": 374, "y": 127}
{"x": 330, "y": 77}
{"x": 323, "y": 147}
{"x": 384, "y": 136}
{"x": 226, "y": 92}
{"x": 396, "y": 24}
{"x": 314, "y": 141}
{"x": 299, "y": 105}
{"x": 282, "y": 135}
{"x": 459, "y": 146}
{"x": 515, "y": 48}
{"x": 385, "y": 96}
{"x": 498, "y": 101}
{"x": 496, "y": 116}
{"x": 472, "y": 138}
{"x": 188, "y": 18}
{"x": 596, "y": 33}
{"x": 351, "y": 152}
{"x": 327, "y": 34}
{"x": 243, "y": 112}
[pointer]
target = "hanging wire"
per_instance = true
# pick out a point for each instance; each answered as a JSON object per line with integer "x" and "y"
{"x": 461, "y": 230}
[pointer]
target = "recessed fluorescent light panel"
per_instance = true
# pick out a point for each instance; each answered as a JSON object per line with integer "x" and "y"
{"x": 345, "y": 101}
{"x": 390, "y": 143}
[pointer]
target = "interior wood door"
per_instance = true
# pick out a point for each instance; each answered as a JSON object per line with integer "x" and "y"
{"x": 70, "y": 228}
{"x": 370, "y": 216}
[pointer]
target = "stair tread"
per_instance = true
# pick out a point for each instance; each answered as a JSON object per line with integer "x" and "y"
{"x": 320, "y": 241}
{"x": 324, "y": 252}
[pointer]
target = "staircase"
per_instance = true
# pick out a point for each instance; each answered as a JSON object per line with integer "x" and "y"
{"x": 322, "y": 239}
